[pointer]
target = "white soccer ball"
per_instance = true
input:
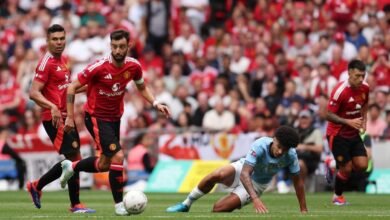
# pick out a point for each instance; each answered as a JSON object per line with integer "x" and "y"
{"x": 135, "y": 202}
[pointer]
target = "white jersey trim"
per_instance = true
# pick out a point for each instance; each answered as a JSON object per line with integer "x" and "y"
{"x": 339, "y": 90}
{"x": 44, "y": 61}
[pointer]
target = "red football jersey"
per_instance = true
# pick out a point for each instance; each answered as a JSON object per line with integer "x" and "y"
{"x": 107, "y": 86}
{"x": 55, "y": 75}
{"x": 346, "y": 102}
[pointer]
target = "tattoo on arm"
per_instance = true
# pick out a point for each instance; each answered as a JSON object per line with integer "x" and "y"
{"x": 70, "y": 98}
{"x": 335, "y": 118}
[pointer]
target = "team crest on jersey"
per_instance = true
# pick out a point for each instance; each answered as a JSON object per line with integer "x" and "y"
{"x": 75, "y": 144}
{"x": 115, "y": 87}
{"x": 112, "y": 147}
{"x": 364, "y": 96}
{"x": 340, "y": 158}
{"x": 126, "y": 75}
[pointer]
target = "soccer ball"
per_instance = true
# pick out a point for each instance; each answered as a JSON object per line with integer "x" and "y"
{"x": 135, "y": 202}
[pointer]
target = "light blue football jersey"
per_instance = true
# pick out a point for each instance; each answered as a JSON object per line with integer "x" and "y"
{"x": 265, "y": 166}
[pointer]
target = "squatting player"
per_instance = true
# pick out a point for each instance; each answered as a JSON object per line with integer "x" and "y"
{"x": 48, "y": 90}
{"x": 347, "y": 116}
{"x": 250, "y": 176}
{"x": 107, "y": 79}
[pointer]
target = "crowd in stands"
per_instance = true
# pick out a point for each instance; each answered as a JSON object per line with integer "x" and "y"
{"x": 233, "y": 65}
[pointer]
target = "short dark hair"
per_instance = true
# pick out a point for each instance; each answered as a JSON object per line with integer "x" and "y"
{"x": 119, "y": 34}
{"x": 55, "y": 28}
{"x": 357, "y": 64}
{"x": 287, "y": 136}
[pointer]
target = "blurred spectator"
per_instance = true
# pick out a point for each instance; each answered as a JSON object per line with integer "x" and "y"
{"x": 375, "y": 124}
{"x": 337, "y": 63}
{"x": 381, "y": 69}
{"x": 323, "y": 83}
{"x": 185, "y": 41}
{"x": 26, "y": 71}
{"x": 202, "y": 78}
{"x": 203, "y": 107}
{"x": 157, "y": 24}
{"x": 272, "y": 99}
{"x": 66, "y": 14}
{"x": 6, "y": 150}
{"x": 349, "y": 51}
{"x": 174, "y": 78}
{"x": 92, "y": 15}
{"x": 310, "y": 146}
{"x": 218, "y": 118}
{"x": 79, "y": 51}
{"x": 140, "y": 161}
{"x": 195, "y": 12}
{"x": 341, "y": 11}
{"x": 298, "y": 47}
{"x": 30, "y": 123}
{"x": 151, "y": 63}
{"x": 239, "y": 63}
{"x": 11, "y": 99}
{"x": 181, "y": 96}
{"x": 355, "y": 36}
{"x": 386, "y": 132}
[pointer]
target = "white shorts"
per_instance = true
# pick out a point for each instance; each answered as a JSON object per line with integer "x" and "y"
{"x": 238, "y": 188}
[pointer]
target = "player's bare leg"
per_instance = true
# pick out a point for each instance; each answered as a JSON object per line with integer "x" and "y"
{"x": 224, "y": 175}
{"x": 227, "y": 203}
{"x": 360, "y": 163}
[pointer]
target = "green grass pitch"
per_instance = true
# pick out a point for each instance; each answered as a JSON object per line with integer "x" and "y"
{"x": 17, "y": 205}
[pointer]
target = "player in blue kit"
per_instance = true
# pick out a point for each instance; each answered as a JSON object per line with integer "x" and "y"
{"x": 249, "y": 177}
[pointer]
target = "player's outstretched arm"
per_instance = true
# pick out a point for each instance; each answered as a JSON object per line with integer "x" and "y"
{"x": 300, "y": 192}
{"x": 37, "y": 96}
{"x": 147, "y": 94}
{"x": 246, "y": 180}
{"x": 70, "y": 94}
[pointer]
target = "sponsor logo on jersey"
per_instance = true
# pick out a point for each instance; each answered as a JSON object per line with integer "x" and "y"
{"x": 115, "y": 87}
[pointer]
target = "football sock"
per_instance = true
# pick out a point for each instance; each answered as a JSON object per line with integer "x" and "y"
{"x": 74, "y": 189}
{"x": 89, "y": 165}
{"x": 51, "y": 175}
{"x": 116, "y": 179}
{"x": 341, "y": 179}
{"x": 193, "y": 196}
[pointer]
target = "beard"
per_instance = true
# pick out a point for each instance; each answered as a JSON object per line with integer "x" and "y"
{"x": 119, "y": 58}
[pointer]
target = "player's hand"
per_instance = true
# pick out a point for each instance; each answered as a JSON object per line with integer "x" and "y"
{"x": 356, "y": 123}
{"x": 69, "y": 124}
{"x": 164, "y": 109}
{"x": 56, "y": 116}
{"x": 259, "y": 206}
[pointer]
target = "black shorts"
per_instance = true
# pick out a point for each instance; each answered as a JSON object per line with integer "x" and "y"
{"x": 105, "y": 133}
{"x": 64, "y": 142}
{"x": 344, "y": 149}
{"x": 310, "y": 159}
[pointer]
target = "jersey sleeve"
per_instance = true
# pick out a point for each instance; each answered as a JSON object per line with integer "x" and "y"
{"x": 254, "y": 153}
{"x": 88, "y": 73}
{"x": 334, "y": 103}
{"x": 294, "y": 164}
{"x": 137, "y": 77}
{"x": 42, "y": 73}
